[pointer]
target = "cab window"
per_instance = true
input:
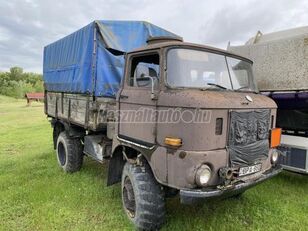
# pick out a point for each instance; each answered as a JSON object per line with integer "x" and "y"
{"x": 142, "y": 68}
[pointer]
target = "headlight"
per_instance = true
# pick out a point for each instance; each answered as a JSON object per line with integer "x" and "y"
{"x": 203, "y": 175}
{"x": 274, "y": 157}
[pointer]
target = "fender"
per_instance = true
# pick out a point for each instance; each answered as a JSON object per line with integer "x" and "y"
{"x": 132, "y": 150}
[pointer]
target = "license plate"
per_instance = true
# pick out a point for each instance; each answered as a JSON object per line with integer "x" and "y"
{"x": 249, "y": 170}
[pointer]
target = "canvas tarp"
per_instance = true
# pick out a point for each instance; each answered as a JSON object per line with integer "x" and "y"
{"x": 78, "y": 64}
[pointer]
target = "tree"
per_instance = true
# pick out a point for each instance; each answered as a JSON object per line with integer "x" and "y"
{"x": 16, "y": 73}
{"x": 16, "y": 83}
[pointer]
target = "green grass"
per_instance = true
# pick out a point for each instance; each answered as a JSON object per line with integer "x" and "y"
{"x": 36, "y": 195}
{"x": 5, "y": 99}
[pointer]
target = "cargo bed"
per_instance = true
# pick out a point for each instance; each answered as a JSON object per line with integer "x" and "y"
{"x": 79, "y": 109}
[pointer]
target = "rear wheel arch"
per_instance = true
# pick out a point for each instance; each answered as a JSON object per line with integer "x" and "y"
{"x": 58, "y": 127}
{"x": 72, "y": 130}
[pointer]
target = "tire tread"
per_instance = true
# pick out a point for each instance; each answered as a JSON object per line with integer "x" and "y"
{"x": 74, "y": 153}
{"x": 151, "y": 201}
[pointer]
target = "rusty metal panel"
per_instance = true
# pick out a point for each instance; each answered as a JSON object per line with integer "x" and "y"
{"x": 182, "y": 166}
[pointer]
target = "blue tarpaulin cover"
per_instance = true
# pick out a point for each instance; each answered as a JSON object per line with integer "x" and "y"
{"x": 78, "y": 64}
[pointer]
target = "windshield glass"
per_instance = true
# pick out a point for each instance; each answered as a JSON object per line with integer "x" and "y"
{"x": 241, "y": 74}
{"x": 200, "y": 69}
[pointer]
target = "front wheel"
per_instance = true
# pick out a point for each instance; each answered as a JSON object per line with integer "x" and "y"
{"x": 142, "y": 197}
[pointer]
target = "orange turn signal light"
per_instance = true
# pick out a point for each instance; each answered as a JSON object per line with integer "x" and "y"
{"x": 175, "y": 142}
{"x": 275, "y": 137}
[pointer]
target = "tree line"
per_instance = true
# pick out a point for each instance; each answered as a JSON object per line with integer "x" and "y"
{"x": 16, "y": 82}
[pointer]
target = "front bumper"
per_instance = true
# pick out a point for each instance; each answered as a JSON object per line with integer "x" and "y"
{"x": 192, "y": 196}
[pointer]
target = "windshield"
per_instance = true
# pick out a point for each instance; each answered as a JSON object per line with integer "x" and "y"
{"x": 200, "y": 69}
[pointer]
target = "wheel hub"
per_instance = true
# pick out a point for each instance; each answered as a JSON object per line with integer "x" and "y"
{"x": 61, "y": 154}
{"x": 129, "y": 198}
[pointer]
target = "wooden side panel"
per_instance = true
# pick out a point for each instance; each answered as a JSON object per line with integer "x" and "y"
{"x": 80, "y": 110}
{"x": 51, "y": 104}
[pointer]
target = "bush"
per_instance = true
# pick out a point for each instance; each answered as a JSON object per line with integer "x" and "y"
{"x": 17, "y": 83}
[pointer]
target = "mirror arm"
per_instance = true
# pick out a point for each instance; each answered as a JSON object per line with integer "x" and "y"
{"x": 153, "y": 96}
{"x": 152, "y": 89}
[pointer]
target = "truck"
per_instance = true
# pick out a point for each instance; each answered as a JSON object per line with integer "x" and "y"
{"x": 281, "y": 70}
{"x": 170, "y": 118}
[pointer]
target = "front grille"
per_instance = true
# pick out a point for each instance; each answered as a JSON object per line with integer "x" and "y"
{"x": 218, "y": 127}
{"x": 248, "y": 137}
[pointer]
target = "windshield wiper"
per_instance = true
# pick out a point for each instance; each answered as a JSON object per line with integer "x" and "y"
{"x": 217, "y": 85}
{"x": 243, "y": 88}
{"x": 248, "y": 88}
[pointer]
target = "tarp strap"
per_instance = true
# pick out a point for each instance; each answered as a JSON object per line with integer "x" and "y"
{"x": 94, "y": 61}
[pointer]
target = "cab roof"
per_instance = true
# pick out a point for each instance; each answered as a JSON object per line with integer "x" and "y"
{"x": 167, "y": 44}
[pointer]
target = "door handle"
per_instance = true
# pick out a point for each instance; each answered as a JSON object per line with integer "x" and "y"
{"x": 123, "y": 96}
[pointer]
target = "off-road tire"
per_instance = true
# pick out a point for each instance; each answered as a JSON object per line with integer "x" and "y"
{"x": 147, "y": 207}
{"x": 69, "y": 153}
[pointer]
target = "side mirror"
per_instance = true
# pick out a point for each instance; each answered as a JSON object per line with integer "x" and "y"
{"x": 153, "y": 80}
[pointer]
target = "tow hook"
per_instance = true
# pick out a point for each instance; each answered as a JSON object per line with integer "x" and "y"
{"x": 227, "y": 173}
{"x": 229, "y": 177}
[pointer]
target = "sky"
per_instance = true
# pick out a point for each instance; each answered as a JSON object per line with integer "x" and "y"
{"x": 26, "y": 26}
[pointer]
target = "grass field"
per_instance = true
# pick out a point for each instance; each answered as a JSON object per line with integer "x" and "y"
{"x": 36, "y": 195}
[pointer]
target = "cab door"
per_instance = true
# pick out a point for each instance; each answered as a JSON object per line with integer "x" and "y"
{"x": 137, "y": 106}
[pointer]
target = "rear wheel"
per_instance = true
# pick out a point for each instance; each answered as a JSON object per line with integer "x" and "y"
{"x": 69, "y": 153}
{"x": 142, "y": 197}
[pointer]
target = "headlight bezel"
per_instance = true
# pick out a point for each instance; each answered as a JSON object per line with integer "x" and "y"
{"x": 203, "y": 175}
{"x": 274, "y": 156}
